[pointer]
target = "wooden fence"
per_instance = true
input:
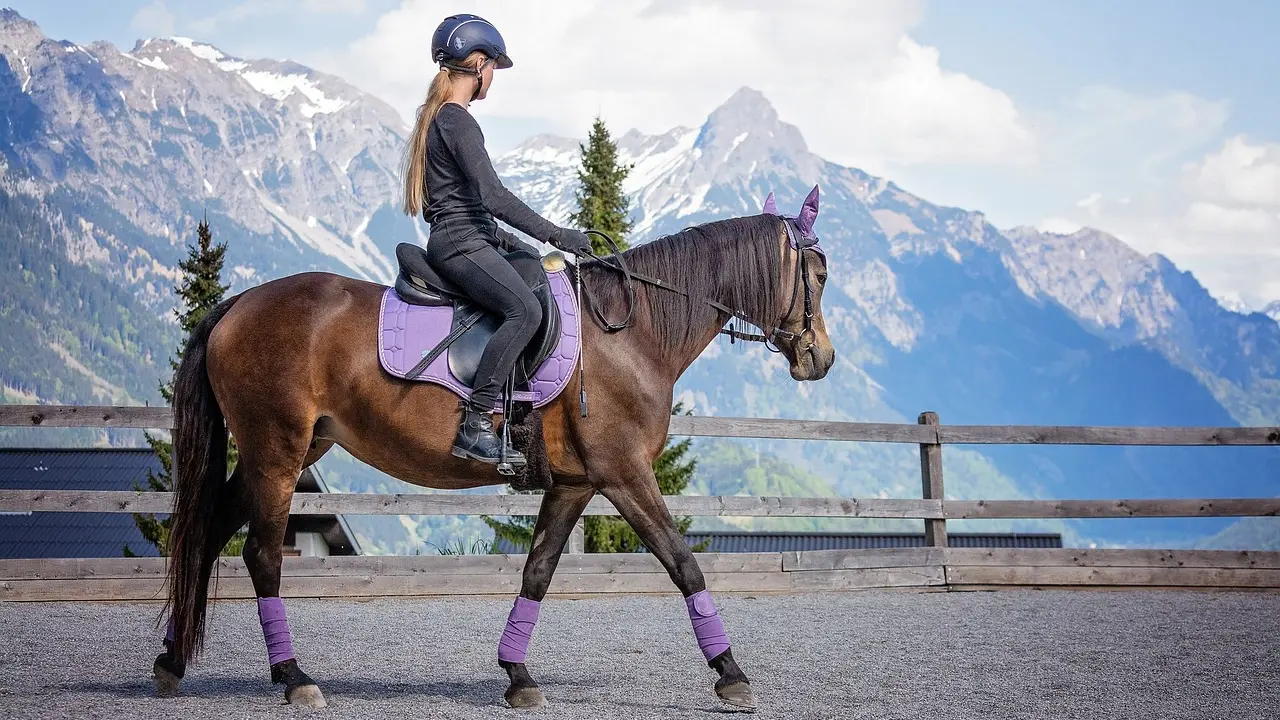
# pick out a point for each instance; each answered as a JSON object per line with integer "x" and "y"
{"x": 935, "y": 566}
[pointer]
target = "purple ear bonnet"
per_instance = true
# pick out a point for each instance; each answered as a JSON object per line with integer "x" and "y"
{"x": 802, "y": 223}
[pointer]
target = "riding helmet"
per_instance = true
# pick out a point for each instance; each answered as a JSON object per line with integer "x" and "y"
{"x": 460, "y": 35}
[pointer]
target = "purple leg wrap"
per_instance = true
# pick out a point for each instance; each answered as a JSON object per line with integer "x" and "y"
{"x": 520, "y": 623}
{"x": 168, "y": 633}
{"x": 707, "y": 626}
{"x": 275, "y": 629}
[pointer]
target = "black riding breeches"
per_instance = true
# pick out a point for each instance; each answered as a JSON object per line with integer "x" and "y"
{"x": 466, "y": 254}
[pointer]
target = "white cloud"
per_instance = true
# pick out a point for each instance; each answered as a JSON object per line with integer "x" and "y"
{"x": 1240, "y": 173}
{"x": 1090, "y": 203}
{"x": 1208, "y": 217}
{"x": 859, "y": 88}
{"x": 153, "y": 20}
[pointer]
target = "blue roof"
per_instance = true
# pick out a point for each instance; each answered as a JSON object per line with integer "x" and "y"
{"x": 66, "y": 534}
{"x": 732, "y": 541}
{"x": 748, "y": 541}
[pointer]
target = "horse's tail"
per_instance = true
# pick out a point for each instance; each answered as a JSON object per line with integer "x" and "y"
{"x": 199, "y": 472}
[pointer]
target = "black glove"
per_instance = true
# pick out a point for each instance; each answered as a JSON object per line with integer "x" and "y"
{"x": 571, "y": 241}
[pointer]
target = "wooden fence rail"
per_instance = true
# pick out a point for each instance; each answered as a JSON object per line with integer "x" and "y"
{"x": 933, "y": 566}
{"x": 156, "y": 418}
{"x": 112, "y": 501}
{"x": 920, "y": 569}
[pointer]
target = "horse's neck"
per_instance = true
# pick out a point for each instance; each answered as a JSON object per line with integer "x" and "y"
{"x": 706, "y": 323}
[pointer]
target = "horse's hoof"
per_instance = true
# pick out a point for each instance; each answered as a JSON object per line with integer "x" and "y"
{"x": 738, "y": 696}
{"x": 306, "y": 696}
{"x": 166, "y": 682}
{"x": 526, "y": 697}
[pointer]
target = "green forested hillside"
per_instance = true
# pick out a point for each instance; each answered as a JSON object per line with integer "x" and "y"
{"x": 68, "y": 332}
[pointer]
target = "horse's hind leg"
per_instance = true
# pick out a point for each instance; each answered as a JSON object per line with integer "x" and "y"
{"x": 561, "y": 507}
{"x": 233, "y": 509}
{"x": 271, "y": 467}
{"x": 168, "y": 669}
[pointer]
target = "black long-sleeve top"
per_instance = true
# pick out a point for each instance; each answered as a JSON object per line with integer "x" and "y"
{"x": 461, "y": 181}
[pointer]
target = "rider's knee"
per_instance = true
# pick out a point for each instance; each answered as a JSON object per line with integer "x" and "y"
{"x": 527, "y": 312}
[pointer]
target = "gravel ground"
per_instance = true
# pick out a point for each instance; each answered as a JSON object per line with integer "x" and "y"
{"x": 1008, "y": 654}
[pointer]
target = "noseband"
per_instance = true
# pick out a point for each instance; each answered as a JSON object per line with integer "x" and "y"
{"x": 771, "y": 333}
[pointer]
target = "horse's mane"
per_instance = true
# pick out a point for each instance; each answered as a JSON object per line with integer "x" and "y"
{"x": 734, "y": 261}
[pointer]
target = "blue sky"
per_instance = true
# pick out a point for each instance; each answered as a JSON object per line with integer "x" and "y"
{"x": 1156, "y": 121}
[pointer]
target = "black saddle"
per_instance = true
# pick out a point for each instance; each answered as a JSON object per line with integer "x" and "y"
{"x": 417, "y": 283}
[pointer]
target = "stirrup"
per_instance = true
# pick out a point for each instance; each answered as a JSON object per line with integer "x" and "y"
{"x": 510, "y": 461}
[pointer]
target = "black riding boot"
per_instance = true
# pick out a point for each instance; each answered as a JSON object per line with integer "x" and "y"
{"x": 477, "y": 440}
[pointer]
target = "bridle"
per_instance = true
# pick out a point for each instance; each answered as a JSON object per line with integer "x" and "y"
{"x": 771, "y": 334}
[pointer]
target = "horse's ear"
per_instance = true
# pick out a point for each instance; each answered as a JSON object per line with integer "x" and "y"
{"x": 808, "y": 213}
{"x": 770, "y": 208}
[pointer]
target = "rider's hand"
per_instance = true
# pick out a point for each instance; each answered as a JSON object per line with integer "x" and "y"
{"x": 572, "y": 241}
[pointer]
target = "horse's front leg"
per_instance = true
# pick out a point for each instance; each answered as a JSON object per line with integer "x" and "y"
{"x": 562, "y": 505}
{"x": 636, "y": 496}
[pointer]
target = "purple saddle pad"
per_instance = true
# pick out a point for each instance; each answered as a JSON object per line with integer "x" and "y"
{"x": 406, "y": 333}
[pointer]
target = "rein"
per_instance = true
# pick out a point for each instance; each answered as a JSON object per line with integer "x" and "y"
{"x": 771, "y": 333}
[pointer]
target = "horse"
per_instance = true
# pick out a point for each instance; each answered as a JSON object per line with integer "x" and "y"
{"x": 289, "y": 368}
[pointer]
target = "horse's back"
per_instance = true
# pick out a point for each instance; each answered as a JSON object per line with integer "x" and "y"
{"x": 293, "y": 332}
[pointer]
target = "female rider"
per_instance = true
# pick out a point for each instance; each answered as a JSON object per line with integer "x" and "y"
{"x": 450, "y": 180}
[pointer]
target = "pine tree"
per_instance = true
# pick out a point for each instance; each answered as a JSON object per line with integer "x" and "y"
{"x": 201, "y": 289}
{"x": 602, "y": 205}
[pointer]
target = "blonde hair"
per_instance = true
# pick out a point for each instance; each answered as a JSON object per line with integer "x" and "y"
{"x": 414, "y": 163}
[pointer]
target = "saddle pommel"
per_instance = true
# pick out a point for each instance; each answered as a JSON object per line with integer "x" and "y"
{"x": 553, "y": 261}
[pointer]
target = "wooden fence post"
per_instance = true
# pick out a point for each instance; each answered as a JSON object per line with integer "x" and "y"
{"x": 935, "y": 531}
{"x": 578, "y": 538}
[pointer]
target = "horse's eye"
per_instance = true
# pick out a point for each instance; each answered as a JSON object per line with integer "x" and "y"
{"x": 822, "y": 278}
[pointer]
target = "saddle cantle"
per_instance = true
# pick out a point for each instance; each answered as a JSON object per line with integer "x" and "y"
{"x": 431, "y": 331}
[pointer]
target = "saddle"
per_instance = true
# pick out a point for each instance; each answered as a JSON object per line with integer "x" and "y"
{"x": 425, "y": 316}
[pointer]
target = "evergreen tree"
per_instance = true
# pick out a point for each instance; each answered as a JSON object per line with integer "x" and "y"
{"x": 602, "y": 205}
{"x": 200, "y": 290}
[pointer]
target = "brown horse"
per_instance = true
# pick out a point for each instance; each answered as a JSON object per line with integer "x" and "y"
{"x": 291, "y": 367}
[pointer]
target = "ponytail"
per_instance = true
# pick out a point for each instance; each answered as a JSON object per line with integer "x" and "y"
{"x": 414, "y": 163}
{"x": 415, "y": 157}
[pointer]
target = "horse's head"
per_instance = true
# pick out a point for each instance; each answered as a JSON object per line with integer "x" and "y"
{"x": 808, "y": 349}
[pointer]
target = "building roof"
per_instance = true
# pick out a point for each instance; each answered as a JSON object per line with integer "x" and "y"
{"x": 68, "y": 534}
{"x": 748, "y": 541}
{"x": 732, "y": 541}
{"x": 335, "y": 530}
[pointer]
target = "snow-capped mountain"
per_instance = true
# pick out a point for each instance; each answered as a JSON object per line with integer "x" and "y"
{"x": 109, "y": 158}
{"x": 297, "y": 162}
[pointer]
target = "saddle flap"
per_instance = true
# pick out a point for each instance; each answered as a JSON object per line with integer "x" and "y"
{"x": 465, "y": 352}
